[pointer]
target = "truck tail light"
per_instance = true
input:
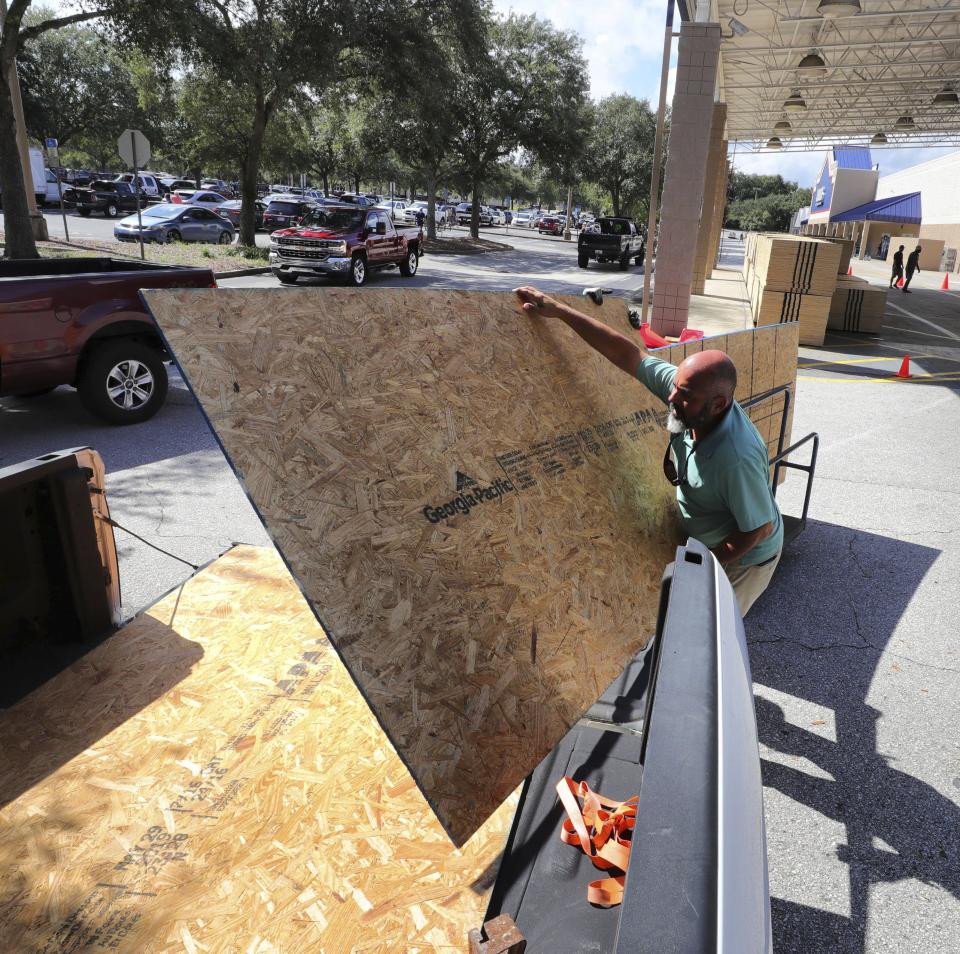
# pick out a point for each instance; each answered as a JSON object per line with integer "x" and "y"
{"x": 213, "y": 284}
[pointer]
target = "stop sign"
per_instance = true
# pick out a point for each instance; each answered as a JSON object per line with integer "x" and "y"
{"x": 134, "y": 148}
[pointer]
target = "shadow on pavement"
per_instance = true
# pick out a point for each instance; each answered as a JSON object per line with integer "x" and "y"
{"x": 826, "y": 649}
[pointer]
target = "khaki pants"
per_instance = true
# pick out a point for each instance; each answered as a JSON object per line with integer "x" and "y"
{"x": 749, "y": 582}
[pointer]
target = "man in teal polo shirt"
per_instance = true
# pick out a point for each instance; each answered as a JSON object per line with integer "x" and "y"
{"x": 715, "y": 458}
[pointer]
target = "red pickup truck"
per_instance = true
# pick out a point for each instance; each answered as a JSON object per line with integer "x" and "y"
{"x": 344, "y": 240}
{"x": 80, "y": 321}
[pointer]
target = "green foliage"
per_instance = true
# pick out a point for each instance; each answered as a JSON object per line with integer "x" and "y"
{"x": 745, "y": 185}
{"x": 769, "y": 213}
{"x": 620, "y": 156}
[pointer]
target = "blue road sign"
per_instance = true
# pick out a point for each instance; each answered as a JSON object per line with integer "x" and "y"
{"x": 51, "y": 143}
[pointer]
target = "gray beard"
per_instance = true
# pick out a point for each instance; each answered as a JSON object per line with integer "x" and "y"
{"x": 674, "y": 424}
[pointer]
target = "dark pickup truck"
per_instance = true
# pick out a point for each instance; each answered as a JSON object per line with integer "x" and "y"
{"x": 611, "y": 240}
{"x": 344, "y": 240}
{"x": 80, "y": 321}
{"x": 110, "y": 198}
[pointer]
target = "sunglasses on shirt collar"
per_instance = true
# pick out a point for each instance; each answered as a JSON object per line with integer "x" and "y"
{"x": 670, "y": 466}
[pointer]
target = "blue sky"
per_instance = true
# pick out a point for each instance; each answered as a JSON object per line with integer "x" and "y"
{"x": 623, "y": 44}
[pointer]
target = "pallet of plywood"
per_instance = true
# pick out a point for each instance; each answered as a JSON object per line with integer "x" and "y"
{"x": 809, "y": 311}
{"x": 211, "y": 779}
{"x": 454, "y": 485}
{"x": 795, "y": 263}
{"x": 846, "y": 246}
{"x": 857, "y": 305}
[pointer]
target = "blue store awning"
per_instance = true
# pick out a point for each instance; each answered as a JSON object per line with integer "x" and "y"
{"x": 896, "y": 208}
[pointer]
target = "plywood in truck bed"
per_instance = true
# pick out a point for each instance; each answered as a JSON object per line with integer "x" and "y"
{"x": 471, "y": 500}
{"x": 210, "y": 780}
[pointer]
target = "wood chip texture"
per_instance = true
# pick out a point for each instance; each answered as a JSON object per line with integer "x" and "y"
{"x": 209, "y": 780}
{"x": 471, "y": 500}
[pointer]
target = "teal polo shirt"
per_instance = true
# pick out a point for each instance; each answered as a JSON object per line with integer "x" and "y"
{"x": 728, "y": 475}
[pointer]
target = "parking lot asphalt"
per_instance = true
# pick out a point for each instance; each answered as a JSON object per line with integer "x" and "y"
{"x": 854, "y": 647}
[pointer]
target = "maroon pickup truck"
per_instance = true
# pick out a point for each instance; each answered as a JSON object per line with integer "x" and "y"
{"x": 80, "y": 321}
{"x": 344, "y": 240}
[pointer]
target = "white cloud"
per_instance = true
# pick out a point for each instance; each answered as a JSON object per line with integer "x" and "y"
{"x": 623, "y": 39}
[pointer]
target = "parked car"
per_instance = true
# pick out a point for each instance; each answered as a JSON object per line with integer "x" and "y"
{"x": 395, "y": 207}
{"x": 283, "y": 211}
{"x": 168, "y": 222}
{"x": 279, "y": 189}
{"x": 551, "y": 225}
{"x": 522, "y": 219}
{"x": 178, "y": 185}
{"x": 465, "y": 211}
{"x": 615, "y": 240}
{"x": 497, "y": 216}
{"x": 110, "y": 198}
{"x": 346, "y": 241}
{"x": 231, "y": 211}
{"x": 206, "y": 199}
{"x": 359, "y": 200}
{"x": 80, "y": 321}
{"x": 218, "y": 185}
{"x": 150, "y": 188}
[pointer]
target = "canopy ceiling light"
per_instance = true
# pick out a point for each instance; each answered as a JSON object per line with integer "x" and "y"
{"x": 838, "y": 8}
{"x": 774, "y": 143}
{"x": 878, "y": 140}
{"x": 946, "y": 97}
{"x": 782, "y": 127}
{"x": 812, "y": 65}
{"x": 795, "y": 103}
{"x": 905, "y": 123}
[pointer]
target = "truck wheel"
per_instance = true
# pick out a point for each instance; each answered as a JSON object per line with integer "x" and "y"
{"x": 123, "y": 382}
{"x": 408, "y": 267}
{"x": 624, "y": 261}
{"x": 84, "y": 212}
{"x": 583, "y": 260}
{"x": 111, "y": 211}
{"x": 286, "y": 278}
{"x": 358, "y": 271}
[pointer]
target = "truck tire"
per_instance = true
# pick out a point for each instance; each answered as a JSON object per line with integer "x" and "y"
{"x": 84, "y": 212}
{"x": 358, "y": 270}
{"x": 123, "y": 381}
{"x": 624, "y": 261}
{"x": 286, "y": 278}
{"x": 409, "y": 266}
{"x": 583, "y": 260}
{"x": 111, "y": 211}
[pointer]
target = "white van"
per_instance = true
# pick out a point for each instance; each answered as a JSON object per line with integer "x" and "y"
{"x": 39, "y": 174}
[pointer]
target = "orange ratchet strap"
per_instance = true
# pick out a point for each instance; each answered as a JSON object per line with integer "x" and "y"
{"x": 602, "y": 828}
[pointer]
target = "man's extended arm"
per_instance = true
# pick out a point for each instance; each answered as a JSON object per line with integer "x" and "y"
{"x": 618, "y": 348}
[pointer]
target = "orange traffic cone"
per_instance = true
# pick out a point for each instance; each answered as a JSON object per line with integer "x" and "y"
{"x": 849, "y": 270}
{"x": 900, "y": 282}
{"x": 946, "y": 283}
{"x": 904, "y": 371}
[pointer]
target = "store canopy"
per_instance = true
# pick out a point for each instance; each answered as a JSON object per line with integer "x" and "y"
{"x": 904, "y": 209}
{"x": 876, "y": 71}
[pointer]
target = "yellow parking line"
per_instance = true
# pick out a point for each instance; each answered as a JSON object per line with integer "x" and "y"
{"x": 943, "y": 377}
{"x": 822, "y": 364}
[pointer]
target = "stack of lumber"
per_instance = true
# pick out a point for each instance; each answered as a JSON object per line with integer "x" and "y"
{"x": 857, "y": 305}
{"x": 846, "y": 246}
{"x": 792, "y": 278}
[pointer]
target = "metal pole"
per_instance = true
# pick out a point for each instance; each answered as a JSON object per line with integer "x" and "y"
{"x": 136, "y": 189}
{"x": 657, "y": 153}
{"x": 566, "y": 228}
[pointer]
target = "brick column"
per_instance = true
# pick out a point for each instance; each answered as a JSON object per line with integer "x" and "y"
{"x": 705, "y": 255}
{"x": 719, "y": 209}
{"x": 690, "y": 126}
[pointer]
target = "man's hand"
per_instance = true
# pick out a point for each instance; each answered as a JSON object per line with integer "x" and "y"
{"x": 615, "y": 347}
{"x": 535, "y": 302}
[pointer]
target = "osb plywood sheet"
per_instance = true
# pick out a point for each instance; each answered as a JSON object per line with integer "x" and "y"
{"x": 455, "y": 487}
{"x": 210, "y": 780}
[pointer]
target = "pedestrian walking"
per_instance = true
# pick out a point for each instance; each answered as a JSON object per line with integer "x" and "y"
{"x": 897, "y": 272}
{"x": 913, "y": 265}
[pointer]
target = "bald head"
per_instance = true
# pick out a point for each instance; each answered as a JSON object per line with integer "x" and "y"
{"x": 702, "y": 390}
{"x": 712, "y": 373}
